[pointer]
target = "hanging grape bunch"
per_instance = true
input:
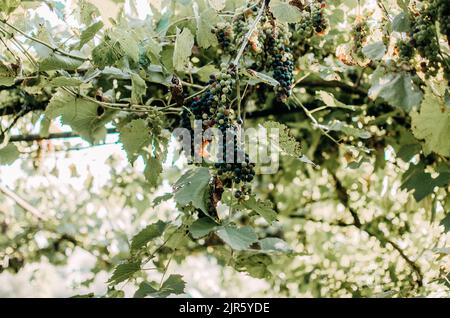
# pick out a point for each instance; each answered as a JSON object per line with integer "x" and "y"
{"x": 225, "y": 36}
{"x": 280, "y": 59}
{"x": 213, "y": 108}
{"x": 319, "y": 22}
{"x": 313, "y": 22}
{"x": 405, "y": 52}
{"x": 423, "y": 38}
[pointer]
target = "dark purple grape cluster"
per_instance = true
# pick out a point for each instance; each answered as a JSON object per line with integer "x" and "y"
{"x": 280, "y": 61}
{"x": 212, "y": 108}
{"x": 319, "y": 21}
{"x": 225, "y": 36}
{"x": 235, "y": 164}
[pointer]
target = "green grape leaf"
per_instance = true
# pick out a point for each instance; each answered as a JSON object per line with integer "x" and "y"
{"x": 153, "y": 50}
{"x": 138, "y": 88}
{"x": 183, "y": 49}
{"x": 191, "y": 188}
{"x": 134, "y": 136}
{"x": 237, "y": 238}
{"x": 89, "y": 33}
{"x": 123, "y": 272}
{"x": 415, "y": 178}
{"x": 174, "y": 284}
{"x": 8, "y": 6}
{"x": 146, "y": 235}
{"x": 128, "y": 44}
{"x": 432, "y": 124}
{"x": 64, "y": 81}
{"x": 374, "y": 51}
{"x": 167, "y": 58}
{"x": 284, "y": 12}
{"x": 263, "y": 208}
{"x": 398, "y": 90}
{"x": 401, "y": 22}
{"x": 286, "y": 141}
{"x": 7, "y": 81}
{"x": 87, "y": 12}
{"x": 8, "y": 154}
{"x": 107, "y": 53}
{"x": 145, "y": 289}
{"x": 152, "y": 170}
{"x": 162, "y": 198}
{"x": 7, "y": 75}
{"x": 202, "y": 227}
{"x": 205, "y": 22}
{"x": 446, "y": 223}
{"x": 59, "y": 62}
{"x": 85, "y": 117}
{"x": 256, "y": 265}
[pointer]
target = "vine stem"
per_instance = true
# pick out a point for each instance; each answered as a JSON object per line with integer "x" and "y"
{"x": 314, "y": 120}
{"x": 166, "y": 269}
{"x": 53, "y": 48}
{"x": 249, "y": 34}
{"x": 22, "y": 203}
{"x": 18, "y": 45}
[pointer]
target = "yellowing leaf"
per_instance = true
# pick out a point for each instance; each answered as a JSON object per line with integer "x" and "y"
{"x": 59, "y": 62}
{"x": 8, "y": 154}
{"x": 432, "y": 124}
{"x": 183, "y": 49}
{"x": 138, "y": 88}
{"x": 284, "y": 12}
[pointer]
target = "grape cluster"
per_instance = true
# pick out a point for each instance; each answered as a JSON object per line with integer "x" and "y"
{"x": 235, "y": 164}
{"x": 313, "y": 21}
{"x": 423, "y": 38}
{"x": 405, "y": 51}
{"x": 212, "y": 108}
{"x": 319, "y": 22}
{"x": 225, "y": 36}
{"x": 280, "y": 60}
{"x": 304, "y": 30}
{"x": 442, "y": 12}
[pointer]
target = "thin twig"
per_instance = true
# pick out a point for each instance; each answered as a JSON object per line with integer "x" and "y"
{"x": 314, "y": 120}
{"x": 22, "y": 202}
{"x": 54, "y": 49}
